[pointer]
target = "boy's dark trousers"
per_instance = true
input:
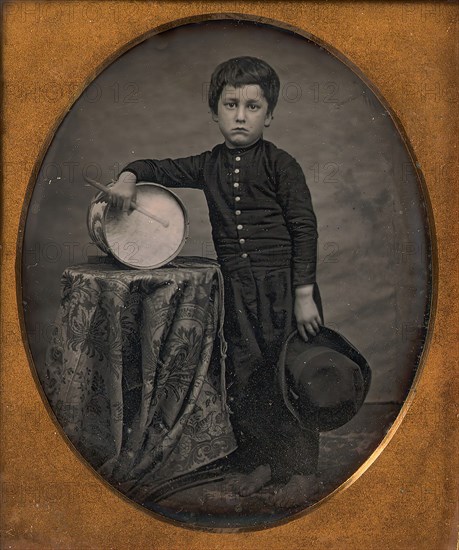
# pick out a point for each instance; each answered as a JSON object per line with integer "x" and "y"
{"x": 258, "y": 318}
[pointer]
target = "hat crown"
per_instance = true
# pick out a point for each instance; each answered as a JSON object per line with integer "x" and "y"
{"x": 328, "y": 374}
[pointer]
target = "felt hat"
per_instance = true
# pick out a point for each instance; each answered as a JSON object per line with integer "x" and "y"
{"x": 324, "y": 380}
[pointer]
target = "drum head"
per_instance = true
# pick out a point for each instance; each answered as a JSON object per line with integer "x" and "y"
{"x": 143, "y": 242}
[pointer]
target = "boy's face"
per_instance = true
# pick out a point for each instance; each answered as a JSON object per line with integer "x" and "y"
{"x": 242, "y": 115}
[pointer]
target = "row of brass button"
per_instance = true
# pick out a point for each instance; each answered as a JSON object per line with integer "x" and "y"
{"x": 238, "y": 212}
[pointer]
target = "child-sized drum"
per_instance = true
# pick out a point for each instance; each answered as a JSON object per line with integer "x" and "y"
{"x": 144, "y": 238}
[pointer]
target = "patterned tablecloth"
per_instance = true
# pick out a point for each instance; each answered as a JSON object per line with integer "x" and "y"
{"x": 135, "y": 370}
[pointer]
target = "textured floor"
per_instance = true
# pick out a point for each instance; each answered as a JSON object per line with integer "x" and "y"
{"x": 342, "y": 451}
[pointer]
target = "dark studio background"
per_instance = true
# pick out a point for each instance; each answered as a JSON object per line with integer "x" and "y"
{"x": 151, "y": 103}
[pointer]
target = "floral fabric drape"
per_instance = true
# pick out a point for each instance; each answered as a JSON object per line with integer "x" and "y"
{"x": 135, "y": 370}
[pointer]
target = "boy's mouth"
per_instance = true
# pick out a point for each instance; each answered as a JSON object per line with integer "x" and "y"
{"x": 240, "y": 130}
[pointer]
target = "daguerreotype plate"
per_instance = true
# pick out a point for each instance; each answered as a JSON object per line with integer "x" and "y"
{"x": 178, "y": 379}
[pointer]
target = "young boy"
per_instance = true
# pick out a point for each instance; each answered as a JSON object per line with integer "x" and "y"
{"x": 264, "y": 231}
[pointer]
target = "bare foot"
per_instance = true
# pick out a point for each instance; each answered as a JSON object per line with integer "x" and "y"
{"x": 297, "y": 491}
{"x": 248, "y": 484}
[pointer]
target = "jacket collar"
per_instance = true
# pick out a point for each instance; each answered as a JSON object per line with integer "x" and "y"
{"x": 242, "y": 150}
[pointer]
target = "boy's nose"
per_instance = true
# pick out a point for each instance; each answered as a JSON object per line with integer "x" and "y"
{"x": 240, "y": 114}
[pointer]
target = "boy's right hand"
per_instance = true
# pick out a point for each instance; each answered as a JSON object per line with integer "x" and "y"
{"x": 123, "y": 192}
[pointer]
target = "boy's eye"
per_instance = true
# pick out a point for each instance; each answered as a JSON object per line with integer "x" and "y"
{"x": 254, "y": 107}
{"x": 230, "y": 104}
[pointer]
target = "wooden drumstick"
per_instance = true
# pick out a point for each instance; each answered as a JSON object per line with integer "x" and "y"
{"x": 134, "y": 205}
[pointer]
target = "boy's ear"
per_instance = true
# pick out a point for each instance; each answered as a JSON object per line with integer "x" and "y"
{"x": 214, "y": 117}
{"x": 268, "y": 119}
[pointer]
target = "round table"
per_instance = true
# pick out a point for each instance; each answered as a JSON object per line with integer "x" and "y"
{"x": 135, "y": 370}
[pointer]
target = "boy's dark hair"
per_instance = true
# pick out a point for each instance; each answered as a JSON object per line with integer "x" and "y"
{"x": 239, "y": 71}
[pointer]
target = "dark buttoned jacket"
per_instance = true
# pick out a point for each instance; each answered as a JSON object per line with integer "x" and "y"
{"x": 260, "y": 207}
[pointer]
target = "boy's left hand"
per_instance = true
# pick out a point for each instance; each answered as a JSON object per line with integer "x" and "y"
{"x": 306, "y": 313}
